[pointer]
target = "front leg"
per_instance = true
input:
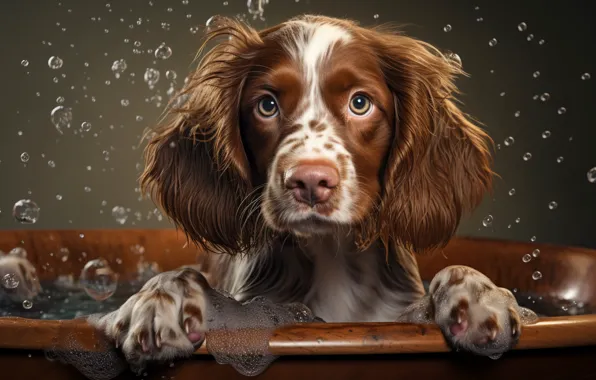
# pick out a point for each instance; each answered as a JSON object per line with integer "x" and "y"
{"x": 474, "y": 314}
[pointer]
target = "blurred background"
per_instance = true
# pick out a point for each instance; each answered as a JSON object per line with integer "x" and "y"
{"x": 84, "y": 78}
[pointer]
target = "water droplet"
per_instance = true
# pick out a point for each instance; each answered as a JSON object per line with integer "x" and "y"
{"x": 536, "y": 253}
{"x": 27, "y": 304}
{"x": 25, "y": 211}
{"x": 536, "y": 74}
{"x": 86, "y": 126}
{"x": 194, "y": 29}
{"x": 586, "y": 76}
{"x": 560, "y": 159}
{"x": 119, "y": 213}
{"x": 124, "y": 102}
{"x": 61, "y": 117}
{"x": 479, "y": 19}
{"x": 527, "y": 156}
{"x": 171, "y": 75}
{"x": 517, "y": 113}
{"x": 447, "y": 28}
{"x": 541, "y": 42}
{"x": 139, "y": 118}
{"x": 58, "y": 197}
{"x": 546, "y": 134}
{"x": 530, "y": 37}
{"x": 561, "y": 110}
{"x": 24, "y": 157}
{"x": 151, "y": 76}
{"x": 87, "y": 189}
{"x": 163, "y": 52}
{"x": 592, "y": 175}
{"x": 375, "y": 16}
{"x": 24, "y": 63}
{"x": 553, "y": 205}
{"x": 10, "y": 281}
{"x": 517, "y": 220}
{"x": 509, "y": 141}
{"x": 545, "y": 97}
{"x": 527, "y": 258}
{"x": 536, "y": 275}
{"x": 522, "y": 26}
{"x": 533, "y": 239}
{"x": 55, "y": 62}
{"x": 60, "y": 99}
{"x": 51, "y": 164}
{"x": 487, "y": 221}
{"x": 118, "y": 67}
{"x": 98, "y": 279}
{"x": 492, "y": 42}
{"x": 512, "y": 192}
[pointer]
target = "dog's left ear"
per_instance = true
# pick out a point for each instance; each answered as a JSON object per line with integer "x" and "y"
{"x": 439, "y": 164}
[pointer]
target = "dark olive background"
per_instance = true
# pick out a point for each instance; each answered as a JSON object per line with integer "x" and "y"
{"x": 89, "y": 47}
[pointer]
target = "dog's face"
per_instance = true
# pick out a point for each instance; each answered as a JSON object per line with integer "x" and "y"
{"x": 317, "y": 122}
{"x": 313, "y": 124}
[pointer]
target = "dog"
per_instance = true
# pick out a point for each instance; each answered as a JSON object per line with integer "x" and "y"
{"x": 310, "y": 162}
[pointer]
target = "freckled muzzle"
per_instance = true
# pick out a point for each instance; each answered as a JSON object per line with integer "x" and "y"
{"x": 312, "y": 183}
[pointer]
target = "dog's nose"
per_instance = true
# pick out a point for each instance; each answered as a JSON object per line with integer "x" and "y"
{"x": 312, "y": 184}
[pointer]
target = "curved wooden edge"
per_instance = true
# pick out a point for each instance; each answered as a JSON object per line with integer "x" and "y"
{"x": 310, "y": 339}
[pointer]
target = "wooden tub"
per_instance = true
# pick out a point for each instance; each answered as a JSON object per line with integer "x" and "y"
{"x": 562, "y": 346}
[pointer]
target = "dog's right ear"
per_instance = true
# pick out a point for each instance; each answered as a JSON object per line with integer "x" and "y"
{"x": 196, "y": 167}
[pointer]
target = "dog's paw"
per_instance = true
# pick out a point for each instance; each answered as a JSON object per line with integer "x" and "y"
{"x": 474, "y": 314}
{"x": 164, "y": 320}
{"x": 18, "y": 278}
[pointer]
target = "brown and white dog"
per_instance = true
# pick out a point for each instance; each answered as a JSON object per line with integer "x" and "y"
{"x": 313, "y": 159}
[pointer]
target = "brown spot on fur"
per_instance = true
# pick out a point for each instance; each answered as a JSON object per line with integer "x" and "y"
{"x": 492, "y": 326}
{"x": 456, "y": 277}
{"x": 328, "y": 146}
{"x": 194, "y": 311}
{"x": 460, "y": 310}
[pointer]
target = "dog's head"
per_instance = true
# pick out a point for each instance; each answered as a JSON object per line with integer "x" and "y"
{"x": 313, "y": 124}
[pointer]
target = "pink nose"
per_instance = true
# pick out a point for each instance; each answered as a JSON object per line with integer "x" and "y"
{"x": 312, "y": 184}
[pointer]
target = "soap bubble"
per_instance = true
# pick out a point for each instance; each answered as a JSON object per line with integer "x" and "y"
{"x": 447, "y": 28}
{"x": 536, "y": 275}
{"x": 553, "y": 205}
{"x": 124, "y": 102}
{"x": 512, "y": 192}
{"x": 526, "y": 258}
{"x": 119, "y": 213}
{"x": 517, "y": 113}
{"x": 527, "y": 156}
{"x": 561, "y": 110}
{"x": 98, "y": 280}
{"x": 19, "y": 252}
{"x": 25, "y": 211}
{"x": 586, "y": 76}
{"x": 560, "y": 159}
{"x": 536, "y": 253}
{"x": 530, "y": 37}
{"x": 24, "y": 63}
{"x": 51, "y": 164}
{"x": 86, "y": 126}
{"x": 545, "y": 97}
{"x": 55, "y": 62}
{"x": 522, "y": 26}
{"x": 492, "y": 42}
{"x": 163, "y": 51}
{"x": 546, "y": 134}
{"x": 61, "y": 117}
{"x": 63, "y": 254}
{"x": 487, "y": 221}
{"x": 24, "y": 157}
{"x": 592, "y": 175}
{"x": 10, "y": 281}
{"x": 118, "y": 67}
{"x": 536, "y": 74}
{"x": 171, "y": 75}
{"x": 509, "y": 141}
{"x": 27, "y": 304}
{"x": 151, "y": 76}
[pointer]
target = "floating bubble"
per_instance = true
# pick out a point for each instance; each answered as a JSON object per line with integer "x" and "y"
{"x": 61, "y": 117}
{"x": 517, "y": 220}
{"x": 541, "y": 42}
{"x": 10, "y": 281}
{"x": 553, "y": 205}
{"x": 530, "y": 37}
{"x": 493, "y": 42}
{"x": 58, "y": 197}
{"x": 517, "y": 113}
{"x": 522, "y": 26}
{"x": 375, "y": 16}
{"x": 63, "y": 254}
{"x": 24, "y": 157}
{"x": 51, "y": 164}
{"x": 27, "y": 304}
{"x": 527, "y": 258}
{"x": 560, "y": 159}
{"x": 545, "y": 97}
{"x": 86, "y": 126}
{"x": 455, "y": 58}
{"x": 60, "y": 99}
{"x": 487, "y": 221}
{"x": 536, "y": 253}
{"x": 24, "y": 63}
{"x": 447, "y": 28}
{"x": 98, "y": 280}
{"x": 509, "y": 141}
{"x": 163, "y": 51}
{"x": 536, "y": 74}
{"x": 512, "y": 192}
{"x": 55, "y": 62}
{"x": 591, "y": 175}
{"x": 118, "y": 67}
{"x": 561, "y": 110}
{"x": 151, "y": 76}
{"x": 533, "y": 239}
{"x": 25, "y": 211}
{"x": 194, "y": 29}
{"x": 537, "y": 275}
{"x": 171, "y": 75}
{"x": 586, "y": 76}
{"x": 120, "y": 214}
{"x": 546, "y": 134}
{"x": 19, "y": 252}
{"x": 527, "y": 156}
{"x": 124, "y": 102}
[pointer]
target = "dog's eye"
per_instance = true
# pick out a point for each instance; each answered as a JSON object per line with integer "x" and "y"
{"x": 267, "y": 106}
{"x": 360, "y": 105}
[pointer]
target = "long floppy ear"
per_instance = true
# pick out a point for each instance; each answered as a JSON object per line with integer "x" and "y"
{"x": 196, "y": 168}
{"x": 439, "y": 164}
